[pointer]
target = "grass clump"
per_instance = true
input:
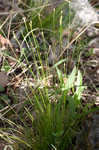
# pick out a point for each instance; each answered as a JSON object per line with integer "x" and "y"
{"x": 47, "y": 112}
{"x": 54, "y": 120}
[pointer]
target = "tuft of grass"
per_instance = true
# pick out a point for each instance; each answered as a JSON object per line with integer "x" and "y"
{"x": 51, "y": 115}
{"x": 55, "y": 123}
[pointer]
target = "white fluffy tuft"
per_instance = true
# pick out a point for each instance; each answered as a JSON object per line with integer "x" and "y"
{"x": 84, "y": 13}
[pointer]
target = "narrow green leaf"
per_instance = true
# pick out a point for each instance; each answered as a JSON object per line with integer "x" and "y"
{"x": 59, "y": 62}
{"x": 59, "y": 74}
{"x": 70, "y": 81}
{"x": 79, "y": 78}
{"x": 79, "y": 87}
